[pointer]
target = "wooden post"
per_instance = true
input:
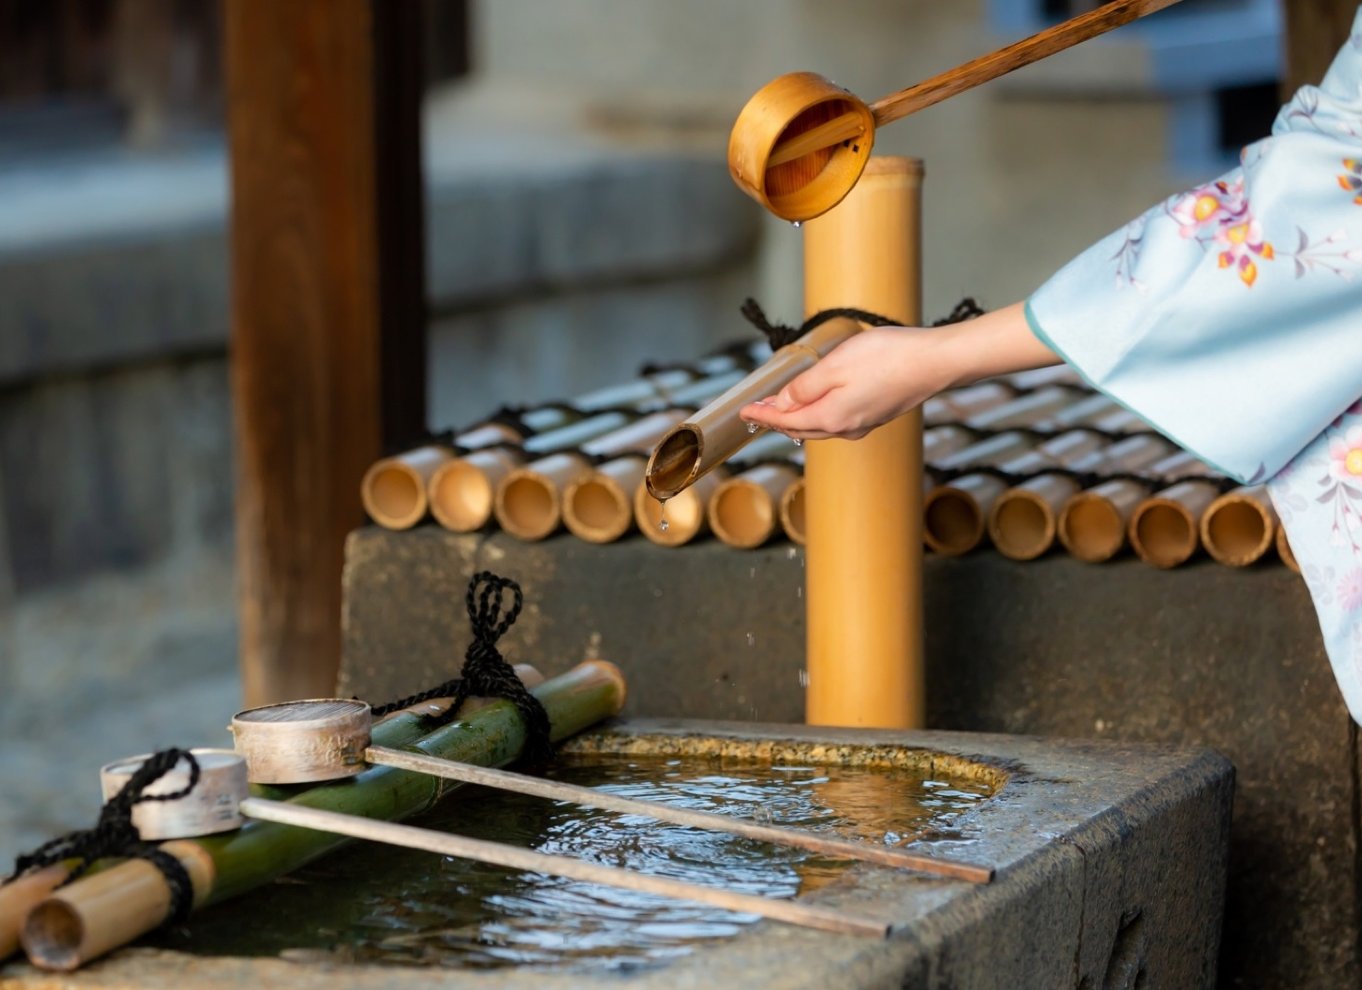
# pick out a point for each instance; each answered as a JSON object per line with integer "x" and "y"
{"x": 863, "y": 498}
{"x": 327, "y": 305}
{"x": 1315, "y": 31}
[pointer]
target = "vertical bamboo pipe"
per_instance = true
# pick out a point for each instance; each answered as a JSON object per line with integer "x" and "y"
{"x": 863, "y": 498}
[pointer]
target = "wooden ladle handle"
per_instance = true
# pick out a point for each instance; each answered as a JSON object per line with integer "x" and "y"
{"x": 963, "y": 77}
{"x": 1054, "y": 39}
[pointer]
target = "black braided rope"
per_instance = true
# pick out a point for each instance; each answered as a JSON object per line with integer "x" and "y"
{"x": 114, "y": 834}
{"x": 485, "y": 672}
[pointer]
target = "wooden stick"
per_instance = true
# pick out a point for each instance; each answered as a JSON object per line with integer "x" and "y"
{"x": 500, "y": 854}
{"x": 895, "y": 106}
{"x": 590, "y": 797}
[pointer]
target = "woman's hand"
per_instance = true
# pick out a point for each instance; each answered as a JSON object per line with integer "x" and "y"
{"x": 880, "y": 374}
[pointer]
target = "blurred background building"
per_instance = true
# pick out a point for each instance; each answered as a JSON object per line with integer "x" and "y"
{"x": 579, "y": 221}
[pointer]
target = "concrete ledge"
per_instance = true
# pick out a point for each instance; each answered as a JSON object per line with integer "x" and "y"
{"x": 1204, "y": 655}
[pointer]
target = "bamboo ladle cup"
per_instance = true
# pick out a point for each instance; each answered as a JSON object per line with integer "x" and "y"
{"x": 802, "y": 141}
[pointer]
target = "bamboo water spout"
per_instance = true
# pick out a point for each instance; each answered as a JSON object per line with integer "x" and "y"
{"x": 801, "y": 142}
{"x": 716, "y": 432}
{"x": 599, "y": 507}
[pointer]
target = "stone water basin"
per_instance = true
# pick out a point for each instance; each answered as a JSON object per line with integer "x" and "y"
{"x": 1110, "y": 865}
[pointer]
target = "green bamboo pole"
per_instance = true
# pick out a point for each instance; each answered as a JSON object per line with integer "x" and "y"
{"x": 107, "y": 909}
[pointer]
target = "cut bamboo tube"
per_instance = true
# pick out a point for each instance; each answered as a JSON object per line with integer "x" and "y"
{"x": 1093, "y": 525}
{"x": 1165, "y": 528}
{"x": 1239, "y": 526}
{"x": 681, "y": 518}
{"x": 529, "y": 501}
{"x": 956, "y": 514}
{"x": 1283, "y": 550}
{"x": 1024, "y": 521}
{"x": 744, "y": 511}
{"x": 515, "y": 858}
{"x": 553, "y": 790}
{"x": 948, "y": 525}
{"x": 863, "y": 498}
{"x": 19, "y": 896}
{"x": 107, "y": 909}
{"x": 599, "y": 506}
{"x": 716, "y": 432}
{"x": 961, "y": 403}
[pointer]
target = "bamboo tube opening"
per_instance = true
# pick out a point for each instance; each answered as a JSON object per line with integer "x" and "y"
{"x": 792, "y": 509}
{"x": 1022, "y": 525}
{"x": 1237, "y": 530}
{"x": 53, "y": 935}
{"x": 674, "y": 463}
{"x": 597, "y": 510}
{"x": 683, "y": 515}
{"x": 1091, "y": 528}
{"x": 527, "y": 505}
{"x": 952, "y": 522}
{"x": 1163, "y": 533}
{"x": 742, "y": 514}
{"x": 461, "y": 496}
{"x": 393, "y": 494}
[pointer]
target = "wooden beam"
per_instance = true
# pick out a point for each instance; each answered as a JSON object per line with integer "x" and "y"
{"x": 327, "y": 344}
{"x": 1315, "y": 31}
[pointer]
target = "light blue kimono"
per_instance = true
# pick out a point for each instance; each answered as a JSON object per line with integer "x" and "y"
{"x": 1230, "y": 318}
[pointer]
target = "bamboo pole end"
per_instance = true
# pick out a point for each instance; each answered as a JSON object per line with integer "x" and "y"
{"x": 528, "y": 505}
{"x": 461, "y": 496}
{"x": 393, "y": 494}
{"x": 1091, "y": 528}
{"x": 52, "y": 936}
{"x": 742, "y": 514}
{"x": 597, "y": 509}
{"x": 953, "y": 523}
{"x": 1022, "y": 525}
{"x": 1239, "y": 527}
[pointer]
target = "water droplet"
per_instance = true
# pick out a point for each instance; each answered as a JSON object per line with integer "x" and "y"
{"x": 796, "y": 223}
{"x": 752, "y": 427}
{"x": 751, "y": 639}
{"x": 662, "y": 523}
{"x": 803, "y": 678}
{"x": 797, "y": 442}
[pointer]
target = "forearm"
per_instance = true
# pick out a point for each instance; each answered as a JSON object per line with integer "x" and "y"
{"x": 996, "y": 343}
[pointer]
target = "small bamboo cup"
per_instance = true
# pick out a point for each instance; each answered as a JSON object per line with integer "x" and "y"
{"x": 945, "y": 528}
{"x": 744, "y": 511}
{"x": 393, "y": 490}
{"x": 297, "y": 742}
{"x": 681, "y": 518}
{"x": 1240, "y": 526}
{"x": 794, "y": 513}
{"x": 716, "y": 432}
{"x": 529, "y": 502}
{"x": 801, "y": 142}
{"x": 19, "y": 896}
{"x": 209, "y": 808}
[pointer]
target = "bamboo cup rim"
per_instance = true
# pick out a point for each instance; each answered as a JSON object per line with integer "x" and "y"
{"x": 675, "y": 461}
{"x": 1237, "y": 529}
{"x": 1022, "y": 525}
{"x": 684, "y": 515}
{"x": 1163, "y": 532}
{"x": 461, "y": 496}
{"x": 597, "y": 509}
{"x": 394, "y": 494}
{"x": 528, "y": 505}
{"x": 953, "y": 523}
{"x": 1091, "y": 528}
{"x": 793, "y": 514}
{"x": 742, "y": 514}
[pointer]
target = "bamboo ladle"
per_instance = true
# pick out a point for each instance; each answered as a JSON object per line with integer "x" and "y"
{"x": 801, "y": 142}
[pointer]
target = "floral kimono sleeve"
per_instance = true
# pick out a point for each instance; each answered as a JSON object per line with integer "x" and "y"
{"x": 1230, "y": 318}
